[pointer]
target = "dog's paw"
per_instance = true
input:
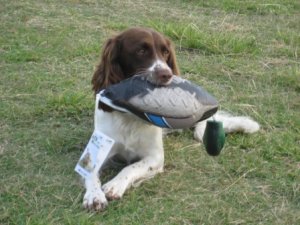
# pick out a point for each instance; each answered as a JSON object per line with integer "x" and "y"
{"x": 95, "y": 200}
{"x": 114, "y": 189}
{"x": 199, "y": 131}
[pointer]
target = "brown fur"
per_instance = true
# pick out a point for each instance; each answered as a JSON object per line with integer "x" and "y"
{"x": 121, "y": 57}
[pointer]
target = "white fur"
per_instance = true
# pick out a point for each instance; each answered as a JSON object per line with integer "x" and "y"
{"x": 136, "y": 138}
{"x": 231, "y": 124}
{"x": 159, "y": 64}
{"x": 94, "y": 198}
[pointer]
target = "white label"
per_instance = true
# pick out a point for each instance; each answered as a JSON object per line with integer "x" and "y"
{"x": 94, "y": 154}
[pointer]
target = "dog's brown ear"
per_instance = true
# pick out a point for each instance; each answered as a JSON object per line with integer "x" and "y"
{"x": 108, "y": 71}
{"x": 172, "y": 63}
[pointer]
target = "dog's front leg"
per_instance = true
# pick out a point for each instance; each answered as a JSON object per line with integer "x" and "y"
{"x": 134, "y": 173}
{"x": 94, "y": 198}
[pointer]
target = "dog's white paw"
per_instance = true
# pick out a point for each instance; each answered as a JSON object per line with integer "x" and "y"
{"x": 114, "y": 189}
{"x": 94, "y": 200}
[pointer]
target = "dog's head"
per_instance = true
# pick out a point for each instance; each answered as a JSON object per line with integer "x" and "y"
{"x": 134, "y": 51}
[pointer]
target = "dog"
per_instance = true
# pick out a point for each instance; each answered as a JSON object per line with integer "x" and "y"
{"x": 134, "y": 51}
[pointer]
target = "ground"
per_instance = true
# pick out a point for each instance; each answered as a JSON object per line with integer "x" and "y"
{"x": 244, "y": 52}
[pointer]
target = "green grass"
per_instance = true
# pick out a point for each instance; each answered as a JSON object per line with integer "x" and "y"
{"x": 190, "y": 36}
{"x": 245, "y": 52}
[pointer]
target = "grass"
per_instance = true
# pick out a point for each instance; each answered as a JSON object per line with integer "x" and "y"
{"x": 191, "y": 37}
{"x": 245, "y": 52}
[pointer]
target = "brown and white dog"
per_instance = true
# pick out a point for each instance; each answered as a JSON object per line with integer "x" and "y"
{"x": 131, "y": 52}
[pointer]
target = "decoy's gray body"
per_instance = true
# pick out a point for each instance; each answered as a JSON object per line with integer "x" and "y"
{"x": 180, "y": 104}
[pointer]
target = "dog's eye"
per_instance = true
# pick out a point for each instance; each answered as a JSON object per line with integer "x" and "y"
{"x": 141, "y": 51}
{"x": 166, "y": 53}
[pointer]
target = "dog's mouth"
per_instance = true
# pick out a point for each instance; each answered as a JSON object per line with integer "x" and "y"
{"x": 158, "y": 78}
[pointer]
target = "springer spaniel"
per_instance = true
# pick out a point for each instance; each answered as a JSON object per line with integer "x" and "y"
{"x": 139, "y": 143}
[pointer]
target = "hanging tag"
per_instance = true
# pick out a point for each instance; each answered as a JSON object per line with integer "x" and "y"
{"x": 94, "y": 154}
